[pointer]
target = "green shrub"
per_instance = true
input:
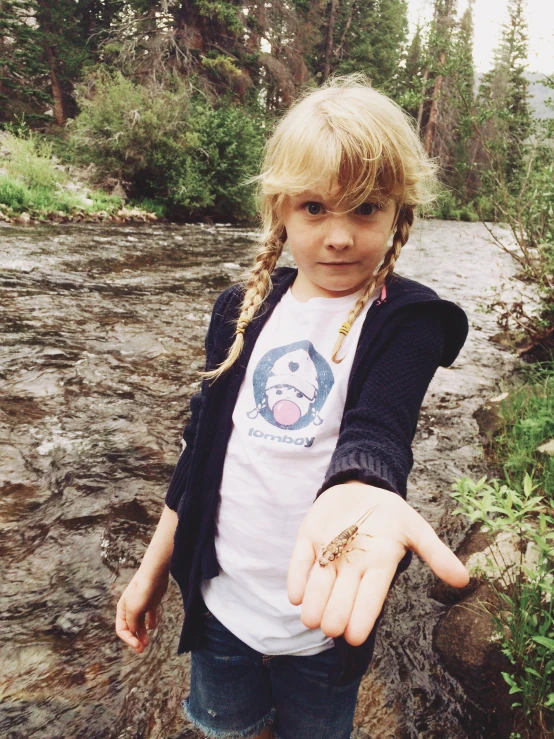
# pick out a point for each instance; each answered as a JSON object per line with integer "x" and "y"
{"x": 29, "y": 160}
{"x": 523, "y": 616}
{"x": 13, "y": 194}
{"x": 34, "y": 183}
{"x": 169, "y": 145}
{"x": 523, "y": 506}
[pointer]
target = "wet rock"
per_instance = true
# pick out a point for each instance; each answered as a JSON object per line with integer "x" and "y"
{"x": 489, "y": 418}
{"x": 24, "y": 219}
{"x": 13, "y": 465}
{"x": 464, "y": 640}
{"x": 71, "y": 624}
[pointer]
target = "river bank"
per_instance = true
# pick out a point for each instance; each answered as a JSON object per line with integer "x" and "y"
{"x": 102, "y": 341}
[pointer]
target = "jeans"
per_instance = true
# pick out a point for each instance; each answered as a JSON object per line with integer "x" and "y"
{"x": 236, "y": 691}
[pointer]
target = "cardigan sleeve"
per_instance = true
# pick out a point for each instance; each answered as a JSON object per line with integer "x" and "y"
{"x": 374, "y": 444}
{"x": 178, "y": 481}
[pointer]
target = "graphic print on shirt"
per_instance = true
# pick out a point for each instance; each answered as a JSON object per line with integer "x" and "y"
{"x": 291, "y": 384}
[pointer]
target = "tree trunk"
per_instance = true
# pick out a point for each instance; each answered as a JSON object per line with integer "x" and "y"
{"x": 60, "y": 107}
{"x": 340, "y": 48}
{"x": 431, "y": 127}
{"x": 44, "y": 19}
{"x": 422, "y": 103}
{"x": 330, "y": 35}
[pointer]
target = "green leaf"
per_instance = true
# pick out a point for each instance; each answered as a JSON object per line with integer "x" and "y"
{"x": 545, "y": 642}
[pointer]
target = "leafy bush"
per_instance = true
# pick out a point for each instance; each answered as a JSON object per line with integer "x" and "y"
{"x": 523, "y": 507}
{"x": 13, "y": 194}
{"x": 524, "y": 615}
{"x": 169, "y": 145}
{"x": 449, "y": 208}
{"x": 29, "y": 160}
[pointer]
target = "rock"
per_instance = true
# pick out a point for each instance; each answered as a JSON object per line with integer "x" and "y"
{"x": 499, "y": 559}
{"x": 464, "y": 639}
{"x": 24, "y": 219}
{"x": 119, "y": 192}
{"x": 489, "y": 419}
{"x": 547, "y": 448}
{"x": 71, "y": 624}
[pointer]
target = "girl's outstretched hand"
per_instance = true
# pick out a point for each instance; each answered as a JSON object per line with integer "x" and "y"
{"x": 347, "y": 595}
{"x": 137, "y": 609}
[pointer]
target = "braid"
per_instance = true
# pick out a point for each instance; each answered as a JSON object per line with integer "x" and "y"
{"x": 403, "y": 224}
{"x": 258, "y": 287}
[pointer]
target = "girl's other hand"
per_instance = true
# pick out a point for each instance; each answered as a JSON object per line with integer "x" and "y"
{"x": 137, "y": 609}
{"x": 347, "y": 595}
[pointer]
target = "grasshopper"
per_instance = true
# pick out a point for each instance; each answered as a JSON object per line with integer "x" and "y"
{"x": 337, "y": 546}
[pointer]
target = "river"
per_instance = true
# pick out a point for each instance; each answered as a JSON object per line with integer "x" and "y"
{"x": 101, "y": 340}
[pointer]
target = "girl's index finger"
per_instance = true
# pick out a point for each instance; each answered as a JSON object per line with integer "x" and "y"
{"x": 301, "y": 562}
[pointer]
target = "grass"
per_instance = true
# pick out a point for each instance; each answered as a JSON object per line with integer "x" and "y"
{"x": 527, "y": 422}
{"x": 32, "y": 181}
{"x": 522, "y": 505}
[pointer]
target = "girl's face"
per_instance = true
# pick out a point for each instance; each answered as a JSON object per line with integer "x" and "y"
{"x": 336, "y": 252}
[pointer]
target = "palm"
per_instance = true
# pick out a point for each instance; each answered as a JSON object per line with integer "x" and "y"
{"x": 347, "y": 595}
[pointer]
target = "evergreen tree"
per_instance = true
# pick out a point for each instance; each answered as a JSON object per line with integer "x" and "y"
{"x": 23, "y": 71}
{"x": 361, "y": 36}
{"x": 438, "y": 57}
{"x": 462, "y": 101}
{"x": 504, "y": 100}
{"x": 44, "y": 46}
{"x": 409, "y": 85}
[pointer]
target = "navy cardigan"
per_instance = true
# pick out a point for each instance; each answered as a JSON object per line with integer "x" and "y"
{"x": 403, "y": 340}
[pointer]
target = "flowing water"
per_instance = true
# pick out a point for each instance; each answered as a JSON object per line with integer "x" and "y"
{"x": 101, "y": 339}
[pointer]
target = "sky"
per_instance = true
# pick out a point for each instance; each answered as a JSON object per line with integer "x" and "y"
{"x": 488, "y": 16}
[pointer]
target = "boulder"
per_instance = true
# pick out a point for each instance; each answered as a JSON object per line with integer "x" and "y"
{"x": 465, "y": 640}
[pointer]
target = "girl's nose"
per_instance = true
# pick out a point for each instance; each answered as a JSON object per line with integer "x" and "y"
{"x": 339, "y": 233}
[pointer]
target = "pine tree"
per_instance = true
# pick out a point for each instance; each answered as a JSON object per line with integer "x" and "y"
{"x": 462, "y": 101}
{"x": 365, "y": 36}
{"x": 409, "y": 86}
{"x": 438, "y": 53}
{"x": 44, "y": 45}
{"x": 23, "y": 72}
{"x": 504, "y": 99}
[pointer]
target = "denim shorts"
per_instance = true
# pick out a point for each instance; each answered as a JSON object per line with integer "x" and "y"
{"x": 236, "y": 691}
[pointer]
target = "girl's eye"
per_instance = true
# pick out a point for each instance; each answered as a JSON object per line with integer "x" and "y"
{"x": 313, "y": 208}
{"x": 367, "y": 209}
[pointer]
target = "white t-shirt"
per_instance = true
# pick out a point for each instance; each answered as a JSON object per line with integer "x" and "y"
{"x": 285, "y": 428}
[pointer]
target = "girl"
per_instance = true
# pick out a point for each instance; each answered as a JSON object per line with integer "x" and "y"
{"x": 313, "y": 384}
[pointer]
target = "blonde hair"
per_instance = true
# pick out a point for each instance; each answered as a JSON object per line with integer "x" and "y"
{"x": 346, "y": 137}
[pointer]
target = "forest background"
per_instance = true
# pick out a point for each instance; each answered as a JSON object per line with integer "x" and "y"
{"x": 171, "y": 100}
{"x": 167, "y": 104}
